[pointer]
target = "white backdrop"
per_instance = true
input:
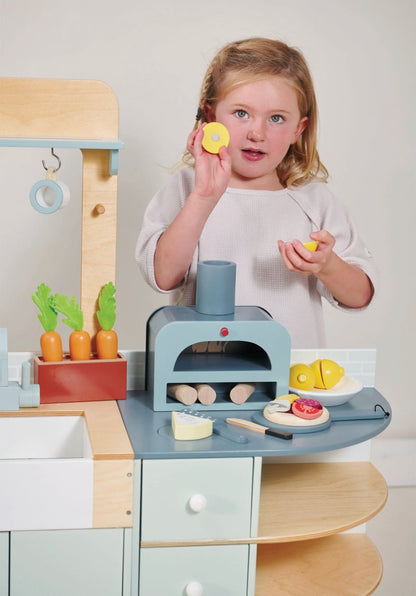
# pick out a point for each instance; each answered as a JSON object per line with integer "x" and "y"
{"x": 362, "y": 56}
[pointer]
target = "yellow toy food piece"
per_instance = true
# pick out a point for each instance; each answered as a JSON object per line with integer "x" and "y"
{"x": 301, "y": 376}
{"x": 215, "y": 137}
{"x": 312, "y": 246}
{"x": 291, "y": 397}
{"x": 188, "y": 428}
{"x": 327, "y": 373}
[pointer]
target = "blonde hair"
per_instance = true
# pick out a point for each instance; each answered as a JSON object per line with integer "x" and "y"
{"x": 256, "y": 58}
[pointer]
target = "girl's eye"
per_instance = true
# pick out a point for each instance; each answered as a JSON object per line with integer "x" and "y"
{"x": 276, "y": 118}
{"x": 241, "y": 114}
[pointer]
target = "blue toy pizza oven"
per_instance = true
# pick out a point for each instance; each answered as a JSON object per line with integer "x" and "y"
{"x": 218, "y": 343}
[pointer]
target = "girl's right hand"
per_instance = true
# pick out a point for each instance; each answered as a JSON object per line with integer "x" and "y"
{"x": 212, "y": 171}
{"x": 176, "y": 245}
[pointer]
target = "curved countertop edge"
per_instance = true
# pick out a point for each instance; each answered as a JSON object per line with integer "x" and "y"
{"x": 151, "y": 436}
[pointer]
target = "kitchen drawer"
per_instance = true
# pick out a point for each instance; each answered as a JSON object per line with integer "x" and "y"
{"x": 193, "y": 499}
{"x": 194, "y": 570}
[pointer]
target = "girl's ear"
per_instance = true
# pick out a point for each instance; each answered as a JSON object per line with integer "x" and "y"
{"x": 303, "y": 123}
{"x": 209, "y": 113}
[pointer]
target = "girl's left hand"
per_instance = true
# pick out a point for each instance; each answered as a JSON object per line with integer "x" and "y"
{"x": 299, "y": 259}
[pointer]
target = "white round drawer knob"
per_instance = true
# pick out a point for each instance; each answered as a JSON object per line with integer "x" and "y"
{"x": 194, "y": 589}
{"x": 197, "y": 503}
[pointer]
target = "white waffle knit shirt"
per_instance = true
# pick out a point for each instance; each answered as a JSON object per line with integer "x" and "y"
{"x": 244, "y": 228}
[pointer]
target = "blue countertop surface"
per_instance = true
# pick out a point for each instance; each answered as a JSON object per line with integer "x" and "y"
{"x": 152, "y": 437}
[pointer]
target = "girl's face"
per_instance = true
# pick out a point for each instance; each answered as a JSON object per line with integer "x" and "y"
{"x": 263, "y": 120}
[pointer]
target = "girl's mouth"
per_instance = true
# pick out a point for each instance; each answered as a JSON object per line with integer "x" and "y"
{"x": 253, "y": 154}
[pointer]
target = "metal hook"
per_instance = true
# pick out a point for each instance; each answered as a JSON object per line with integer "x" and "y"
{"x": 386, "y": 414}
{"x": 56, "y": 157}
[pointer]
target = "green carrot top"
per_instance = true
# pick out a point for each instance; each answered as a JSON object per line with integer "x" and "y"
{"x": 70, "y": 309}
{"x": 107, "y": 314}
{"x": 48, "y": 315}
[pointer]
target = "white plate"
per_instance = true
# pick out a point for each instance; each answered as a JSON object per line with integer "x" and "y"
{"x": 340, "y": 393}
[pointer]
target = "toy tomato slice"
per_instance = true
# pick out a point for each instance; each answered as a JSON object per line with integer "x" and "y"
{"x": 308, "y": 412}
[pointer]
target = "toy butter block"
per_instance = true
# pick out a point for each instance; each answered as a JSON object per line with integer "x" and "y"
{"x": 81, "y": 380}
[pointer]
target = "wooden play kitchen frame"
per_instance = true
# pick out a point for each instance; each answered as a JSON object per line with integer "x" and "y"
{"x": 81, "y": 115}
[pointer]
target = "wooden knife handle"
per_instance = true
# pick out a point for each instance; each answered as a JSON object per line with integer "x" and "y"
{"x": 247, "y": 424}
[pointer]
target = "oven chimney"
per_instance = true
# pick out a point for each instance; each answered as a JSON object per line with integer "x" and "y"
{"x": 215, "y": 287}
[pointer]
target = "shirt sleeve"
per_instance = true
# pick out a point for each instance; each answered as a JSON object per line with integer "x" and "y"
{"x": 161, "y": 211}
{"x": 327, "y": 212}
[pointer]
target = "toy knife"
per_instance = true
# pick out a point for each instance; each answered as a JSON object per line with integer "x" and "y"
{"x": 279, "y": 434}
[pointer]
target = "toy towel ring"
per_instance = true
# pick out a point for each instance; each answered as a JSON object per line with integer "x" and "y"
{"x": 49, "y": 195}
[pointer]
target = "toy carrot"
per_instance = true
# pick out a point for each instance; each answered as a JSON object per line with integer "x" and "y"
{"x": 50, "y": 340}
{"x": 107, "y": 341}
{"x": 79, "y": 340}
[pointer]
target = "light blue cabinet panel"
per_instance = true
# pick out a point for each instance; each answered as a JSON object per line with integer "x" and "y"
{"x": 66, "y": 563}
{"x": 211, "y": 570}
{"x": 4, "y": 563}
{"x": 196, "y": 499}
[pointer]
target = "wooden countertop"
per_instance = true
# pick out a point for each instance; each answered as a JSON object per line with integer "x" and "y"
{"x": 108, "y": 436}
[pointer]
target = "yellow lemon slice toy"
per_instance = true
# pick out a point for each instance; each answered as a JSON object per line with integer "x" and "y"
{"x": 215, "y": 137}
{"x": 327, "y": 373}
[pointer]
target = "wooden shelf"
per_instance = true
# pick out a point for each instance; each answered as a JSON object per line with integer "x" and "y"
{"x": 112, "y": 145}
{"x": 345, "y": 565}
{"x": 305, "y": 501}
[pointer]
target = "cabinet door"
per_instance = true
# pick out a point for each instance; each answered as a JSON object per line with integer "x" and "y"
{"x": 4, "y": 562}
{"x": 192, "y": 499}
{"x": 66, "y": 562}
{"x": 209, "y": 570}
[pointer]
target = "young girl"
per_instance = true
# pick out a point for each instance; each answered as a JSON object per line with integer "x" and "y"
{"x": 258, "y": 200}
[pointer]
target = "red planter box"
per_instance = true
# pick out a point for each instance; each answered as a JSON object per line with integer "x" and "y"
{"x": 81, "y": 380}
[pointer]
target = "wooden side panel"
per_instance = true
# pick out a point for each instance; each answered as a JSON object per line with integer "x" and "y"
{"x": 99, "y": 232}
{"x": 113, "y": 494}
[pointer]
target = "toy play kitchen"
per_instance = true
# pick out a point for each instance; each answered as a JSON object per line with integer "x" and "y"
{"x": 231, "y": 496}
{"x": 221, "y": 470}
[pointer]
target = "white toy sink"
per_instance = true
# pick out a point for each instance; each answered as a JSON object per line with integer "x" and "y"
{"x": 40, "y": 437}
{"x": 46, "y": 473}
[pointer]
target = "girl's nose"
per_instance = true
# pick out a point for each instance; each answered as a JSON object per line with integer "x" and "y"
{"x": 255, "y": 133}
